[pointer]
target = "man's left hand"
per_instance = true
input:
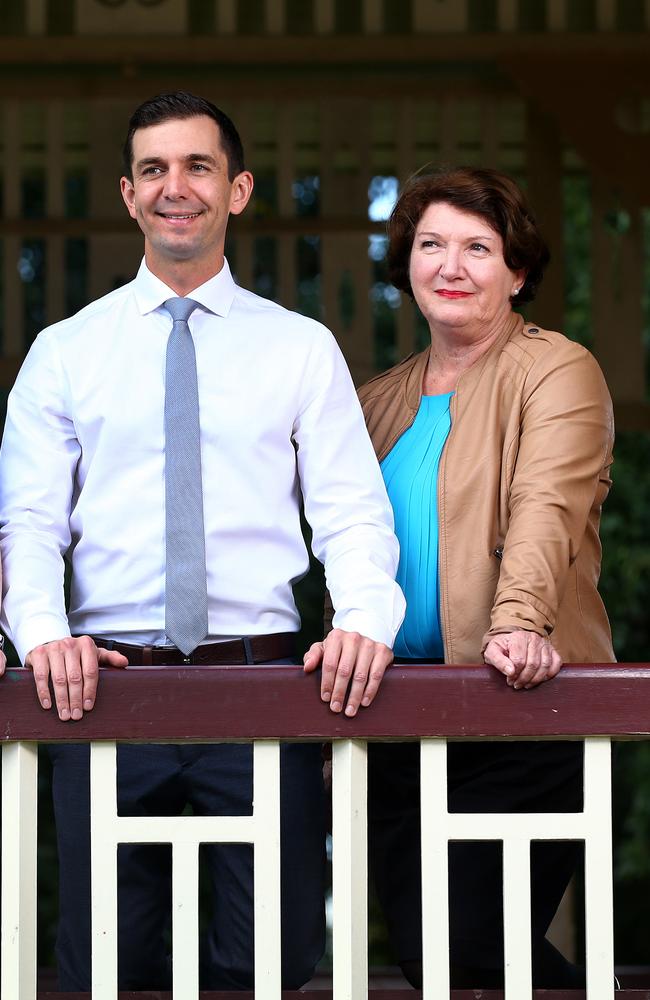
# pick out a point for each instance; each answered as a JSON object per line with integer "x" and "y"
{"x": 352, "y": 665}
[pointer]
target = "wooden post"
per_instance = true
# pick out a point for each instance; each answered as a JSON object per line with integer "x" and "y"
{"x": 544, "y": 170}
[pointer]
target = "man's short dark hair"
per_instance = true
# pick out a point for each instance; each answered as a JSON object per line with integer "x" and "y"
{"x": 180, "y": 105}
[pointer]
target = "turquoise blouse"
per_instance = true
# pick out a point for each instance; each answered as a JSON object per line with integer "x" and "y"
{"x": 410, "y": 472}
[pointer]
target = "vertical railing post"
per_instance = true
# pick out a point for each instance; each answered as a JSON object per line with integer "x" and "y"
{"x": 599, "y": 893}
{"x": 185, "y": 919}
{"x": 435, "y": 869}
{"x": 350, "y": 870}
{"x": 266, "y": 817}
{"x": 19, "y": 839}
{"x": 103, "y": 869}
{"x": 518, "y": 967}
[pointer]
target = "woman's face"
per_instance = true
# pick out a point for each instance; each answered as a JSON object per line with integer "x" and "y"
{"x": 458, "y": 275}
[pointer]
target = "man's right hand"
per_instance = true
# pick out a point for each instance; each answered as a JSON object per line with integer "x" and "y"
{"x": 73, "y": 665}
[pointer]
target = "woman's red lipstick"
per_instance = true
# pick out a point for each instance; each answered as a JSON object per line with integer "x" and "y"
{"x": 447, "y": 293}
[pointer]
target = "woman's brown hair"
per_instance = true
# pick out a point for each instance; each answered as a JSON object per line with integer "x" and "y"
{"x": 489, "y": 194}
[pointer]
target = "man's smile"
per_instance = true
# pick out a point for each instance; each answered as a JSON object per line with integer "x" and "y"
{"x": 179, "y": 216}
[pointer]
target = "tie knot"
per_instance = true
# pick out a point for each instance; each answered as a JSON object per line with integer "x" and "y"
{"x": 180, "y": 308}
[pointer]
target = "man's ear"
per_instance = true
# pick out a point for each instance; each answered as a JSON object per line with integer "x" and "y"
{"x": 127, "y": 191}
{"x": 242, "y": 189}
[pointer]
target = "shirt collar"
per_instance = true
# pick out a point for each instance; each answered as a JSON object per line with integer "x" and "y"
{"x": 216, "y": 294}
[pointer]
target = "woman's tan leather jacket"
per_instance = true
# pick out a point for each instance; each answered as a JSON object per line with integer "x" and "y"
{"x": 522, "y": 478}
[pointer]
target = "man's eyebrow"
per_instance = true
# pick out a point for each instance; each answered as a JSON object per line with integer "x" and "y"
{"x": 201, "y": 157}
{"x": 148, "y": 161}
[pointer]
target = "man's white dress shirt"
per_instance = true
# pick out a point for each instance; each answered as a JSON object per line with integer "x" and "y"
{"x": 83, "y": 462}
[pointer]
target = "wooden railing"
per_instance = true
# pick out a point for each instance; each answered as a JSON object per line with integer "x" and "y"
{"x": 431, "y": 704}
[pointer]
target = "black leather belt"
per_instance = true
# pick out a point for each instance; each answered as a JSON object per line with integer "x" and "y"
{"x": 248, "y": 649}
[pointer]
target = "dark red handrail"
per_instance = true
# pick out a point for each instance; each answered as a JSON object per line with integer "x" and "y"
{"x": 209, "y": 703}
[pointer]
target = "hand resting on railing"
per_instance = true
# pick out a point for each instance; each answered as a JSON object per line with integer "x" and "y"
{"x": 350, "y": 661}
{"x": 73, "y": 664}
{"x": 525, "y": 658}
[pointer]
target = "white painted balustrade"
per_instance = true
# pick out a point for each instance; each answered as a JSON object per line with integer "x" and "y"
{"x": 262, "y": 829}
{"x": 593, "y": 826}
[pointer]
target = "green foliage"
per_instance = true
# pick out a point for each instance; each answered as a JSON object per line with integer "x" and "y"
{"x": 577, "y": 259}
{"x": 625, "y": 580}
{"x": 633, "y": 857}
{"x": 631, "y": 832}
{"x": 625, "y": 586}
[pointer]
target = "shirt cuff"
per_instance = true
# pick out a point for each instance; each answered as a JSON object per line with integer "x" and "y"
{"x": 370, "y": 626}
{"x": 36, "y": 632}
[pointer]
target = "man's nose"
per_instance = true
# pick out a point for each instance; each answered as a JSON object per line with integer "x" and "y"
{"x": 175, "y": 183}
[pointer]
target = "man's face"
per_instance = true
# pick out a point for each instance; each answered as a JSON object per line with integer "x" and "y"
{"x": 181, "y": 197}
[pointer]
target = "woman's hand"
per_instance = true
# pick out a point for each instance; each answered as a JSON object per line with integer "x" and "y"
{"x": 3, "y": 663}
{"x": 525, "y": 658}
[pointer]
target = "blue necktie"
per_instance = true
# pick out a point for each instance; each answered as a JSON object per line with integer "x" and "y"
{"x": 186, "y": 594}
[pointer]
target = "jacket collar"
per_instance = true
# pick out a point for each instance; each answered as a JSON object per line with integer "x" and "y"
{"x": 415, "y": 378}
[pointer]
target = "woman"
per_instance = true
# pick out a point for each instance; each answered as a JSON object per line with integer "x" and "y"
{"x": 495, "y": 444}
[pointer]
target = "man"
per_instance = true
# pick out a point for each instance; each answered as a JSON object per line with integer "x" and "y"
{"x": 161, "y": 440}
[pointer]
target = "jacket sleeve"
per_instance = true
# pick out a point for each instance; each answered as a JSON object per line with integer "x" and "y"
{"x": 561, "y": 472}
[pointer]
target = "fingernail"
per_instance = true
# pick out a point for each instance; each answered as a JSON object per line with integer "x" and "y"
{"x": 46, "y": 703}
{"x": 76, "y": 714}
{"x": 336, "y": 706}
{"x": 365, "y": 702}
{"x": 350, "y": 710}
{"x": 88, "y": 704}
{"x": 517, "y": 687}
{"x": 64, "y": 715}
{"x": 326, "y": 695}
